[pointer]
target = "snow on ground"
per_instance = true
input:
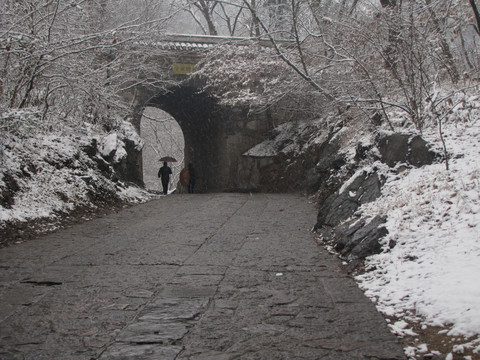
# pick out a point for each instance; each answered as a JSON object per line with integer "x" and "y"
{"x": 53, "y": 175}
{"x": 431, "y": 275}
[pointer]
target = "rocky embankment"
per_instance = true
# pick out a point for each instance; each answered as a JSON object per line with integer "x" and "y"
{"x": 342, "y": 171}
{"x": 338, "y": 222}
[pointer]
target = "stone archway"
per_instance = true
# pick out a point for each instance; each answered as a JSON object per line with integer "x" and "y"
{"x": 216, "y": 136}
{"x": 201, "y": 126}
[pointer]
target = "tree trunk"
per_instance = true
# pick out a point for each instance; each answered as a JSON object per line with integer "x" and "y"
{"x": 450, "y": 63}
{"x": 256, "y": 24}
{"x": 206, "y": 11}
{"x": 390, "y": 51}
{"x": 477, "y": 15}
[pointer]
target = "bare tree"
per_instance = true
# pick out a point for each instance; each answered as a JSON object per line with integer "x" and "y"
{"x": 231, "y": 16}
{"x": 207, "y": 9}
{"x": 341, "y": 55}
{"x": 442, "y": 39}
{"x": 255, "y": 24}
{"x": 76, "y": 57}
{"x": 72, "y": 58}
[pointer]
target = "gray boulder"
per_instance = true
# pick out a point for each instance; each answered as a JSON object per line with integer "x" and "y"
{"x": 355, "y": 239}
{"x": 339, "y": 206}
{"x": 366, "y": 240}
{"x": 404, "y": 148}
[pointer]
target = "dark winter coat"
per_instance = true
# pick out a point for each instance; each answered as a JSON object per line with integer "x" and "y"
{"x": 164, "y": 172}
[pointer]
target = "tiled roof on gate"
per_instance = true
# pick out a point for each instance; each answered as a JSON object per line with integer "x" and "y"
{"x": 205, "y": 42}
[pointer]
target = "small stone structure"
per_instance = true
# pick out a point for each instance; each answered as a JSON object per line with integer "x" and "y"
{"x": 215, "y": 136}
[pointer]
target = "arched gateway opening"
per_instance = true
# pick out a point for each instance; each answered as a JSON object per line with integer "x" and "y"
{"x": 162, "y": 136}
{"x": 217, "y": 135}
{"x": 196, "y": 118}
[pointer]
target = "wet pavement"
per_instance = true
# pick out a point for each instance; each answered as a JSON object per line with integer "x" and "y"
{"x": 204, "y": 276}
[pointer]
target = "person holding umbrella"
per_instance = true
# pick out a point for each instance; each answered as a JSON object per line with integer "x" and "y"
{"x": 164, "y": 174}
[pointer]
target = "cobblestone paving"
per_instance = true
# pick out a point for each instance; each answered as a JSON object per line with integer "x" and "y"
{"x": 207, "y": 276}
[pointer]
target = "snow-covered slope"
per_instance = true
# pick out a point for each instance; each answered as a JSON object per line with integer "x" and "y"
{"x": 49, "y": 174}
{"x": 431, "y": 275}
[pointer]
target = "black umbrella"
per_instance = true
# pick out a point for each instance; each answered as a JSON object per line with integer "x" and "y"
{"x": 168, "y": 159}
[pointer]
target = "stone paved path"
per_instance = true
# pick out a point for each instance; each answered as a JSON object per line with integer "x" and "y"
{"x": 211, "y": 276}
